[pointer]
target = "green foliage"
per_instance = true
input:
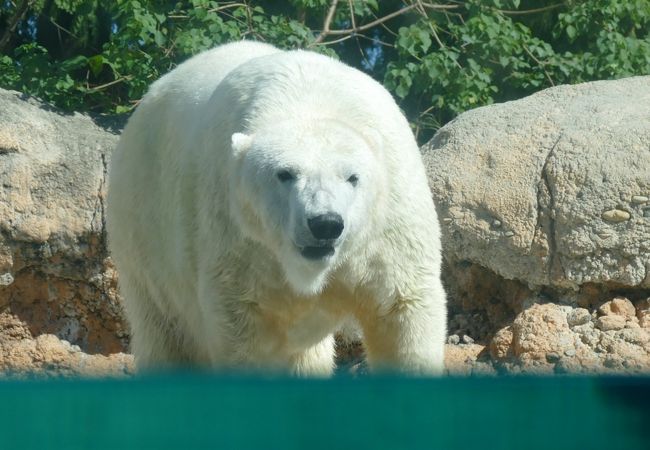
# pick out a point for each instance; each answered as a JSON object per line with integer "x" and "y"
{"x": 437, "y": 59}
{"x": 144, "y": 39}
{"x": 484, "y": 55}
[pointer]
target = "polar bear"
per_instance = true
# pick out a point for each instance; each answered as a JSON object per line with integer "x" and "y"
{"x": 257, "y": 199}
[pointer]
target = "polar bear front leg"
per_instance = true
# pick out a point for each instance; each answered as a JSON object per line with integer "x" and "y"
{"x": 258, "y": 341}
{"x": 407, "y": 335}
{"x": 316, "y": 361}
{"x": 257, "y": 357}
{"x": 155, "y": 342}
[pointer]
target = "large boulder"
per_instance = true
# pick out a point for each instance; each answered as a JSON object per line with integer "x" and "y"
{"x": 55, "y": 275}
{"x": 545, "y": 210}
{"x": 553, "y": 189}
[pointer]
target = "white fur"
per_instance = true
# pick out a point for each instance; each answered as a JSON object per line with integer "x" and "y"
{"x": 207, "y": 237}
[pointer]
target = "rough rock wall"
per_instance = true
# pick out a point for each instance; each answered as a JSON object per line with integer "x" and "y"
{"x": 545, "y": 211}
{"x": 544, "y": 204}
{"x": 553, "y": 189}
{"x": 55, "y": 275}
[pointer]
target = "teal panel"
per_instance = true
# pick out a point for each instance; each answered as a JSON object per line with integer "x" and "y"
{"x": 196, "y": 411}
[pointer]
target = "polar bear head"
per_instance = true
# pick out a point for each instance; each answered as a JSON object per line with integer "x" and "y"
{"x": 307, "y": 192}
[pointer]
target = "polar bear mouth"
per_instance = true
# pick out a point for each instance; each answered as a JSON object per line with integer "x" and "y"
{"x": 317, "y": 252}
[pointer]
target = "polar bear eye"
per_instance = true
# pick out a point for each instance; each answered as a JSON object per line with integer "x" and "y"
{"x": 285, "y": 175}
{"x": 353, "y": 179}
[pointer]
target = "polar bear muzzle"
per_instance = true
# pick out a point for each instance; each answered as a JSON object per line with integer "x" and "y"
{"x": 326, "y": 228}
{"x": 317, "y": 252}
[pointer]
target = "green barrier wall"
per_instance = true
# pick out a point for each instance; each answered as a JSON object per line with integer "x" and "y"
{"x": 195, "y": 411}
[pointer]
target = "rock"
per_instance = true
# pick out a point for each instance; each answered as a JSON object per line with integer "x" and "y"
{"x": 643, "y": 312}
{"x": 465, "y": 360}
{"x": 578, "y": 316}
{"x": 55, "y": 275}
{"x": 6, "y": 279}
{"x": 616, "y": 215}
{"x": 480, "y": 302}
{"x": 620, "y": 350}
{"x": 46, "y": 355}
{"x": 459, "y": 359}
{"x": 638, "y": 336}
{"x": 552, "y": 357}
{"x": 467, "y": 339}
{"x": 565, "y": 174}
{"x": 618, "y": 306}
{"x": 540, "y": 330}
{"x": 349, "y": 354}
{"x": 453, "y": 339}
{"x": 588, "y": 335}
{"x": 542, "y": 341}
{"x": 501, "y": 344}
{"x": 606, "y": 323}
{"x": 544, "y": 202}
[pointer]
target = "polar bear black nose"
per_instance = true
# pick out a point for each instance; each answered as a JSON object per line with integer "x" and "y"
{"x": 326, "y": 226}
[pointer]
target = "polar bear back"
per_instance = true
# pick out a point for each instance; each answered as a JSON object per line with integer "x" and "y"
{"x": 148, "y": 168}
{"x": 194, "y": 81}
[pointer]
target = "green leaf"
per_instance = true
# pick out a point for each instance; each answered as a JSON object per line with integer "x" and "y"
{"x": 159, "y": 38}
{"x": 571, "y": 31}
{"x": 74, "y": 63}
{"x": 121, "y": 109}
{"x": 96, "y": 64}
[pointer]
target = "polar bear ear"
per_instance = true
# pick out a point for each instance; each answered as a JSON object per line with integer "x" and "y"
{"x": 240, "y": 142}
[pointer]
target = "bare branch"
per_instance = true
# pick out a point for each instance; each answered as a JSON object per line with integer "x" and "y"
{"x": 351, "y": 6}
{"x": 385, "y": 18}
{"x": 436, "y": 37}
{"x": 335, "y": 41}
{"x": 212, "y": 10}
{"x": 376, "y": 41}
{"x": 109, "y": 84}
{"x": 328, "y": 21}
{"x": 439, "y": 7}
{"x": 228, "y": 6}
{"x": 60, "y": 28}
{"x": 431, "y": 27}
{"x": 531, "y": 11}
{"x": 249, "y": 18}
{"x": 373, "y": 23}
{"x": 354, "y": 25}
{"x": 362, "y": 36}
{"x": 541, "y": 65}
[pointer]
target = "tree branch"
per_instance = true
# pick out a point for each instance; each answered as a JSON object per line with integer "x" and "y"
{"x": 351, "y": 6}
{"x": 328, "y": 21}
{"x": 431, "y": 27}
{"x": 21, "y": 9}
{"x": 109, "y": 84}
{"x": 541, "y": 65}
{"x": 357, "y": 29}
{"x": 530, "y": 11}
{"x": 373, "y": 23}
